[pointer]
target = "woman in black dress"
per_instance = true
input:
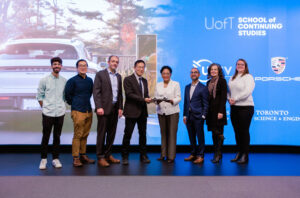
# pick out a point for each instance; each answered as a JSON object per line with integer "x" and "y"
{"x": 216, "y": 118}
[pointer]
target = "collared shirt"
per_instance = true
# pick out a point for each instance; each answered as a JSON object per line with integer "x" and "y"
{"x": 78, "y": 93}
{"x": 51, "y": 92}
{"x": 193, "y": 87}
{"x": 114, "y": 84}
{"x": 138, "y": 78}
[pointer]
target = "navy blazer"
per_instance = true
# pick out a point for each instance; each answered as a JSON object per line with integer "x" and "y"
{"x": 198, "y": 104}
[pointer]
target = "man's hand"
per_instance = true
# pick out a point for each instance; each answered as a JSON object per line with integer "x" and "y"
{"x": 148, "y": 100}
{"x": 184, "y": 120}
{"x": 120, "y": 113}
{"x": 41, "y": 103}
{"x": 100, "y": 111}
{"x": 220, "y": 116}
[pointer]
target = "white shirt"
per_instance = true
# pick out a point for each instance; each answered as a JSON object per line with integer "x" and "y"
{"x": 192, "y": 89}
{"x": 172, "y": 92}
{"x": 240, "y": 89}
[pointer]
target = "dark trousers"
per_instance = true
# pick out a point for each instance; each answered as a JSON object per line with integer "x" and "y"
{"x": 106, "y": 132}
{"x": 48, "y": 124}
{"x": 196, "y": 132}
{"x": 241, "y": 117}
{"x": 168, "y": 130}
{"x": 129, "y": 127}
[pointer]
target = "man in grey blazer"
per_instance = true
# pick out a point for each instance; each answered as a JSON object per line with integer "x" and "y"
{"x": 135, "y": 110}
{"x": 108, "y": 99}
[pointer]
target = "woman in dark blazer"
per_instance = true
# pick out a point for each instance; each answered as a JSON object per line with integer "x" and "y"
{"x": 216, "y": 117}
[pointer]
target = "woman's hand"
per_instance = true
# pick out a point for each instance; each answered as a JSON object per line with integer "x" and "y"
{"x": 231, "y": 101}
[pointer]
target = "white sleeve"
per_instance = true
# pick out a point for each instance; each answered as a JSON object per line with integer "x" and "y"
{"x": 177, "y": 98}
{"x": 249, "y": 87}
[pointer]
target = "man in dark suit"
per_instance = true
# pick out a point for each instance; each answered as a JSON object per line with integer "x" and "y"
{"x": 194, "y": 112}
{"x": 135, "y": 110}
{"x": 109, "y": 106}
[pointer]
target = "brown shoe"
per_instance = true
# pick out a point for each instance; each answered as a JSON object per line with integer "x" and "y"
{"x": 103, "y": 162}
{"x": 85, "y": 160}
{"x": 77, "y": 162}
{"x": 199, "y": 160}
{"x": 113, "y": 160}
{"x": 190, "y": 158}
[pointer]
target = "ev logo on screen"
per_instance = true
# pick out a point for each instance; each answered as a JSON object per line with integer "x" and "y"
{"x": 203, "y": 64}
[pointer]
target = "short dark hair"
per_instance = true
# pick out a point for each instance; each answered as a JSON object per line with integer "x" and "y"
{"x": 196, "y": 69}
{"x": 139, "y": 61}
{"x": 166, "y": 67}
{"x": 220, "y": 70}
{"x": 112, "y": 56}
{"x": 55, "y": 59}
{"x": 80, "y": 61}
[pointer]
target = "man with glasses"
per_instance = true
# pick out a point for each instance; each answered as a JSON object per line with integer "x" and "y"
{"x": 135, "y": 110}
{"x": 78, "y": 92}
{"x": 194, "y": 112}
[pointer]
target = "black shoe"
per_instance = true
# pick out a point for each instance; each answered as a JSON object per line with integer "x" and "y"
{"x": 170, "y": 161}
{"x": 216, "y": 159}
{"x": 243, "y": 159}
{"x": 125, "y": 161}
{"x": 161, "y": 158}
{"x": 237, "y": 157}
{"x": 144, "y": 159}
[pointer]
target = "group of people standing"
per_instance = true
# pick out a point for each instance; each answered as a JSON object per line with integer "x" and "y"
{"x": 200, "y": 103}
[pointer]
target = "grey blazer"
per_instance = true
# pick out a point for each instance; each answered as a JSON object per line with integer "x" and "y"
{"x": 102, "y": 92}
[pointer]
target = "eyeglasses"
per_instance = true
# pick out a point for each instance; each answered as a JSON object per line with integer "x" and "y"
{"x": 195, "y": 72}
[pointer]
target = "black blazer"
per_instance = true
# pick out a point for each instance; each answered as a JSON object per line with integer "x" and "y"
{"x": 135, "y": 102}
{"x": 217, "y": 105}
{"x": 198, "y": 104}
{"x": 102, "y": 92}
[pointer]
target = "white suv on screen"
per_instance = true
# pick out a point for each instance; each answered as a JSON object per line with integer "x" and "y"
{"x": 24, "y": 62}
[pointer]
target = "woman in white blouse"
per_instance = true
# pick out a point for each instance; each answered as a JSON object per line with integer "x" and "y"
{"x": 167, "y": 95}
{"x": 241, "y": 86}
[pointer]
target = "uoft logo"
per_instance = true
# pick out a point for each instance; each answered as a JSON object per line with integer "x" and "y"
{"x": 278, "y": 64}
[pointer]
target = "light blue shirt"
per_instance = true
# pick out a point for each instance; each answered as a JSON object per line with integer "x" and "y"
{"x": 51, "y": 92}
{"x": 114, "y": 85}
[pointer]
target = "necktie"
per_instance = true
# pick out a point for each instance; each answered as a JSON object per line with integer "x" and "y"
{"x": 141, "y": 86}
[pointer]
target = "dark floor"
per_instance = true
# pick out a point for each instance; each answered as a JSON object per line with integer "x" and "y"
{"x": 260, "y": 164}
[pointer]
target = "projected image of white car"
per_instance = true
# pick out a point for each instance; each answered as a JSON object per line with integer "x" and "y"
{"x": 24, "y": 62}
